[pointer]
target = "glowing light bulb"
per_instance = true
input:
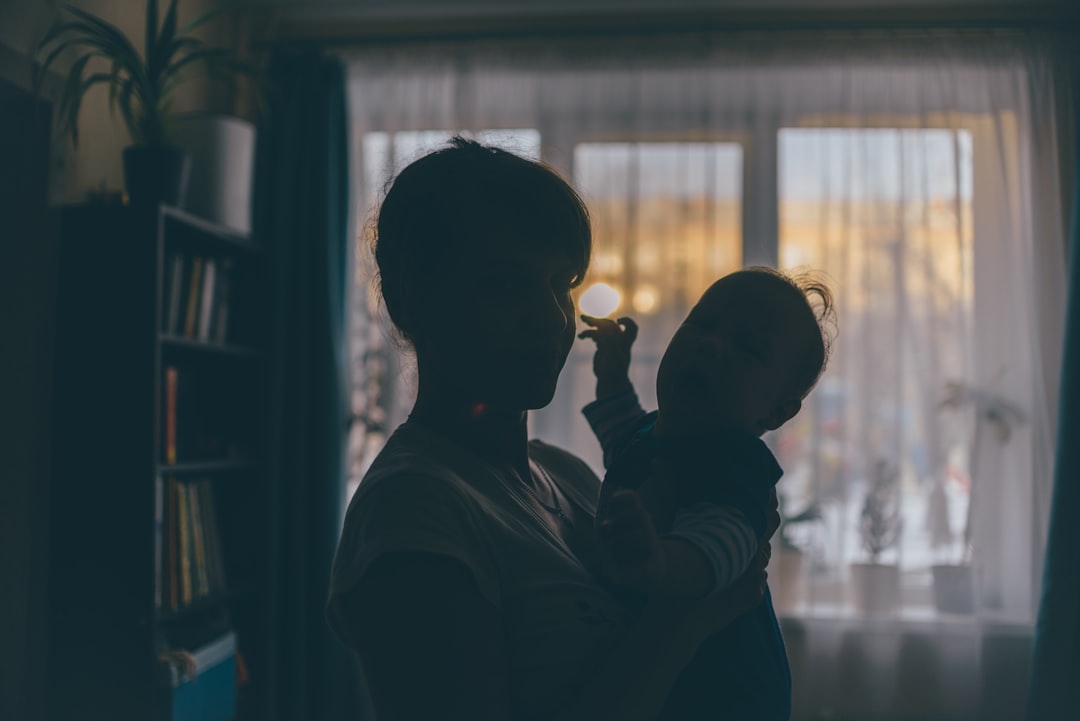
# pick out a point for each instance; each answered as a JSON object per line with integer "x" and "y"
{"x": 645, "y": 300}
{"x": 600, "y": 299}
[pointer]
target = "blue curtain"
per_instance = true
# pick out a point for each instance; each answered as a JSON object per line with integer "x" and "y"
{"x": 300, "y": 672}
{"x": 1055, "y": 674}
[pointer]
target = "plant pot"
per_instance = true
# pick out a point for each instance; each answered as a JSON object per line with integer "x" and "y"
{"x": 222, "y": 152}
{"x": 156, "y": 174}
{"x": 954, "y": 588}
{"x": 875, "y": 588}
{"x": 785, "y": 579}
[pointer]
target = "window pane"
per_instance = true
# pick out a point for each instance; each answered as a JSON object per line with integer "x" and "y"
{"x": 666, "y": 223}
{"x": 886, "y": 214}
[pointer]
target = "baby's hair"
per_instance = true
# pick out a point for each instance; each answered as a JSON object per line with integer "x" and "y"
{"x": 813, "y": 289}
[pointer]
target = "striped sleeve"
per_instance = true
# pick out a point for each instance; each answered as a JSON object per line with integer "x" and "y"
{"x": 723, "y": 534}
{"x": 613, "y": 420}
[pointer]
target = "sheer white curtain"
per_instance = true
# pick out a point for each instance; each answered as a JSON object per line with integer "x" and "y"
{"x": 918, "y": 173}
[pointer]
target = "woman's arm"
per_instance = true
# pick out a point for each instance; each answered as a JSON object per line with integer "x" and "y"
{"x": 431, "y": 646}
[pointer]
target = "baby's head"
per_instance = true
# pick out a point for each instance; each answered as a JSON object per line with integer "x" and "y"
{"x": 747, "y": 354}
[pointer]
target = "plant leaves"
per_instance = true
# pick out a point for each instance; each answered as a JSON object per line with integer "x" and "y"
{"x": 108, "y": 30}
{"x": 125, "y": 109}
{"x": 209, "y": 15}
{"x": 210, "y": 56}
{"x": 72, "y": 98}
{"x": 151, "y": 36}
{"x": 164, "y": 42}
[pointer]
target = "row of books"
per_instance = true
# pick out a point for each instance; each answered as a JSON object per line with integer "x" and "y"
{"x": 192, "y": 563}
{"x": 196, "y": 296}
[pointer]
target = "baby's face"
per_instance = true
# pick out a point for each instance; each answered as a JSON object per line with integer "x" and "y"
{"x": 732, "y": 362}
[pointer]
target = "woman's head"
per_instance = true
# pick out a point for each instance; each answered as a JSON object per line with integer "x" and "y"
{"x": 477, "y": 250}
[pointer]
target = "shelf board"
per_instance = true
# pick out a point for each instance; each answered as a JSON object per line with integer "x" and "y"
{"x": 177, "y": 342}
{"x": 199, "y": 467}
{"x": 220, "y": 233}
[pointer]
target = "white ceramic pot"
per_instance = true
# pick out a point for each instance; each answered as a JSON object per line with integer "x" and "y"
{"x": 954, "y": 588}
{"x": 785, "y": 579}
{"x": 875, "y": 588}
{"x": 222, "y": 150}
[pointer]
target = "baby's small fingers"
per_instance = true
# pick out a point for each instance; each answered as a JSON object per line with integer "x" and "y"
{"x": 587, "y": 334}
{"x": 630, "y": 328}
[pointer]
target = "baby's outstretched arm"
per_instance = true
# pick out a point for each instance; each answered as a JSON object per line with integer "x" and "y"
{"x": 611, "y": 363}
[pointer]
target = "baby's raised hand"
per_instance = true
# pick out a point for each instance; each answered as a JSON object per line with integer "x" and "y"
{"x": 611, "y": 363}
{"x": 630, "y": 542}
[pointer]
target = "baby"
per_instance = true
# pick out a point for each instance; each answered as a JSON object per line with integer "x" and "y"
{"x": 689, "y": 494}
{"x": 740, "y": 364}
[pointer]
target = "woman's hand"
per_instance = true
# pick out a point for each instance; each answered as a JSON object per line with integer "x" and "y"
{"x": 611, "y": 363}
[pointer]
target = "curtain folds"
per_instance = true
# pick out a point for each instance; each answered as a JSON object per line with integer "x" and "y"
{"x": 302, "y": 214}
{"x": 1054, "y": 691}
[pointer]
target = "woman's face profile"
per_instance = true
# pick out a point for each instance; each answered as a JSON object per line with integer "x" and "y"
{"x": 503, "y": 320}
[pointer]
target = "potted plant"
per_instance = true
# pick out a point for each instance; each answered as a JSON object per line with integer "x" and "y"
{"x": 141, "y": 86}
{"x": 786, "y": 565}
{"x": 876, "y": 585}
{"x": 954, "y": 583}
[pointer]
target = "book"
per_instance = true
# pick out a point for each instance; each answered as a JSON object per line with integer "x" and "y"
{"x": 172, "y": 381}
{"x": 214, "y": 557}
{"x": 206, "y": 302}
{"x": 194, "y": 285}
{"x": 200, "y": 577}
{"x": 159, "y": 530}
{"x": 174, "y": 291}
{"x": 210, "y": 693}
{"x": 220, "y": 320}
{"x": 172, "y": 543}
{"x": 186, "y": 591}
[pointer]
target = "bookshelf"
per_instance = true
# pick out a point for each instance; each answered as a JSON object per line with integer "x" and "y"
{"x": 157, "y": 510}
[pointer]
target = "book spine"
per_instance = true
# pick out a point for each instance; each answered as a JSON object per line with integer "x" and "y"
{"x": 172, "y": 531}
{"x": 159, "y": 530}
{"x": 175, "y": 292}
{"x": 221, "y": 301}
{"x": 214, "y": 562}
{"x": 194, "y": 286}
{"x": 171, "y": 382}
{"x": 186, "y": 594}
{"x": 198, "y": 538}
{"x": 206, "y": 303}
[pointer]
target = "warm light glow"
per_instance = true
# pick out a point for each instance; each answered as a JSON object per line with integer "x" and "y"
{"x": 645, "y": 299}
{"x": 600, "y": 299}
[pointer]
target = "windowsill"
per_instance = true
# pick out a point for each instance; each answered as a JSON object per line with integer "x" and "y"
{"x": 908, "y": 617}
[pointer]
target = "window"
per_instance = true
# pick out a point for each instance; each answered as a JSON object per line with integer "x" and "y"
{"x": 921, "y": 182}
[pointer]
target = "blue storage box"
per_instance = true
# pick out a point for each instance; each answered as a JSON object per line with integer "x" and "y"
{"x": 211, "y": 694}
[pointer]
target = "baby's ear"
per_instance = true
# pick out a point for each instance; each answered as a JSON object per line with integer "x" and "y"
{"x": 783, "y": 413}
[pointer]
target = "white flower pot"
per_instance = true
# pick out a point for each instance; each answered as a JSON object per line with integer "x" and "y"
{"x": 222, "y": 150}
{"x": 875, "y": 588}
{"x": 954, "y": 588}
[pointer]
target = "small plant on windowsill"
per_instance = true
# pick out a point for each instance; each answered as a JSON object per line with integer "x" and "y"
{"x": 876, "y": 585}
{"x": 954, "y": 583}
{"x": 142, "y": 86}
